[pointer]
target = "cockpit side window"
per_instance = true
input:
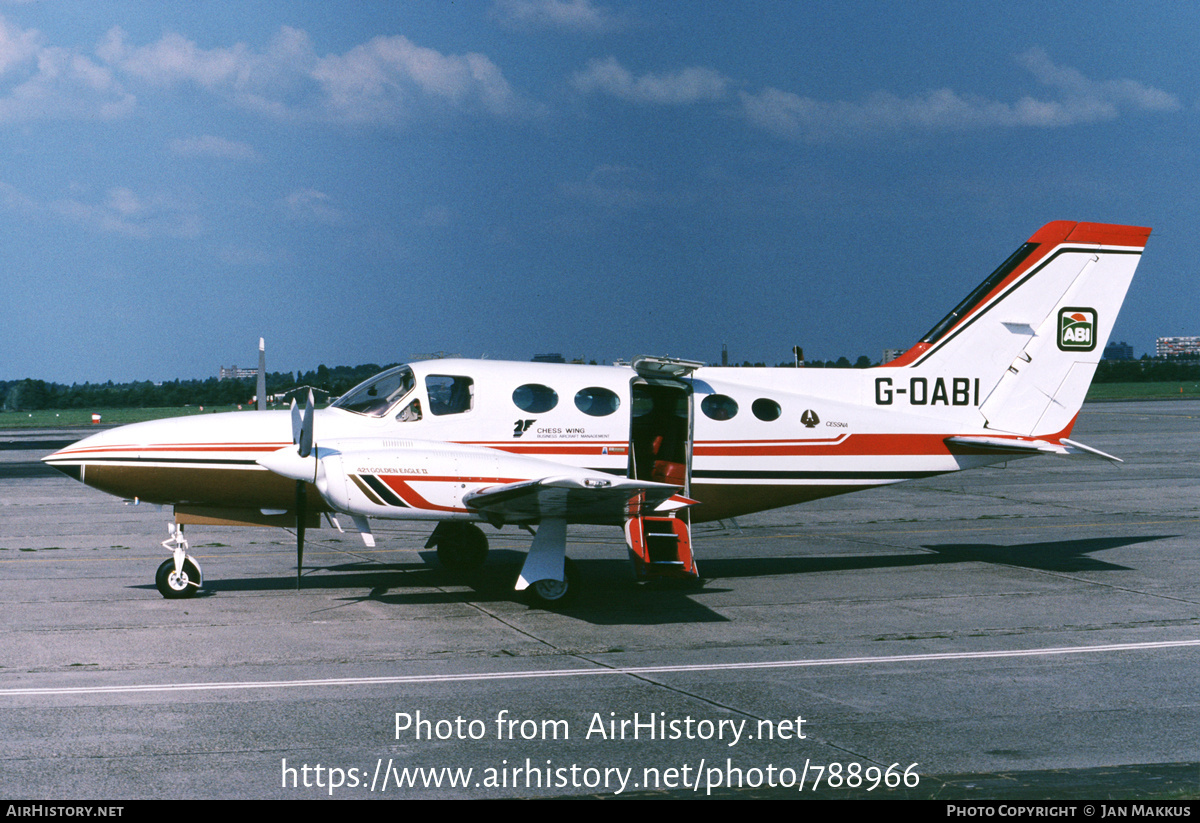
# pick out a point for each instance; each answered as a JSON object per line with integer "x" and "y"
{"x": 450, "y": 394}
{"x": 375, "y": 396}
{"x": 411, "y": 413}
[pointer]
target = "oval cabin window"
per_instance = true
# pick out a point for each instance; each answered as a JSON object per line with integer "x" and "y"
{"x": 597, "y": 401}
{"x": 535, "y": 398}
{"x": 765, "y": 409}
{"x": 719, "y": 407}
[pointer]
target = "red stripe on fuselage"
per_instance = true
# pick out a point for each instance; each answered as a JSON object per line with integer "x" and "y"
{"x": 400, "y": 485}
{"x": 845, "y": 444}
{"x": 879, "y": 445}
{"x": 556, "y": 447}
{"x": 173, "y": 447}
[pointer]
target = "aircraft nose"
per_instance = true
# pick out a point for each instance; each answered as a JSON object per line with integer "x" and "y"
{"x": 71, "y": 470}
{"x": 69, "y": 459}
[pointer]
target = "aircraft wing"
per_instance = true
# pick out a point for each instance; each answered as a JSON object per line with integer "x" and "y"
{"x": 576, "y": 499}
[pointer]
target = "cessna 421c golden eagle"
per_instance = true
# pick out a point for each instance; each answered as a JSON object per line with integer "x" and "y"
{"x": 651, "y": 447}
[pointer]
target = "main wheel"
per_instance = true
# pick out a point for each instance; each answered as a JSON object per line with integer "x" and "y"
{"x": 172, "y": 585}
{"x": 461, "y": 547}
{"x": 555, "y": 592}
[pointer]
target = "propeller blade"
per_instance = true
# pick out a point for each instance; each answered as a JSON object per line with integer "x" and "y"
{"x": 305, "y": 442}
{"x": 297, "y": 423}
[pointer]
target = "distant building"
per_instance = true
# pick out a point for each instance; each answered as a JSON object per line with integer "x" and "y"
{"x": 549, "y": 358}
{"x": 891, "y": 354}
{"x": 234, "y": 373}
{"x": 1118, "y": 351}
{"x": 1167, "y": 347}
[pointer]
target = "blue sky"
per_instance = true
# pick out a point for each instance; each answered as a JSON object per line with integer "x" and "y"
{"x": 366, "y": 182}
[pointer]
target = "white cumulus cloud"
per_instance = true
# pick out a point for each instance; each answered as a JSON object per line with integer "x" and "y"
{"x": 311, "y": 205}
{"x": 125, "y": 212}
{"x": 581, "y": 16}
{"x": 688, "y": 85}
{"x": 208, "y": 145}
{"x": 39, "y": 81}
{"x": 385, "y": 80}
{"x": 1075, "y": 99}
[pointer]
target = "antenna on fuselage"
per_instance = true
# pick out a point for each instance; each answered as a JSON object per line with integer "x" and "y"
{"x": 262, "y": 374}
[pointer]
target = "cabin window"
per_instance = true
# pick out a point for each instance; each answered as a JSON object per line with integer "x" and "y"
{"x": 765, "y": 409}
{"x": 597, "y": 401}
{"x": 535, "y": 398}
{"x": 449, "y": 394}
{"x": 719, "y": 407}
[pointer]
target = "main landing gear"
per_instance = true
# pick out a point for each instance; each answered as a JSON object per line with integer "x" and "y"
{"x": 461, "y": 547}
{"x": 180, "y": 575}
{"x": 547, "y": 575}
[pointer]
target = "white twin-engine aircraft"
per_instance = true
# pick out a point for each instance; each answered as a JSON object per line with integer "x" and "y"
{"x": 652, "y": 447}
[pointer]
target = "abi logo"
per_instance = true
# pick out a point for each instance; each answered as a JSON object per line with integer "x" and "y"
{"x": 1076, "y": 329}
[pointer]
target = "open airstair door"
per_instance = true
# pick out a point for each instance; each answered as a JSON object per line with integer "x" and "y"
{"x": 660, "y": 450}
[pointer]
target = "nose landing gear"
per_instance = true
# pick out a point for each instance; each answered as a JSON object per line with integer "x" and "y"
{"x": 180, "y": 575}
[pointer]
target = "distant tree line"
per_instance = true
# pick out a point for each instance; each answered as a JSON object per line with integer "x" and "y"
{"x": 863, "y": 362}
{"x": 32, "y": 395}
{"x": 1147, "y": 370}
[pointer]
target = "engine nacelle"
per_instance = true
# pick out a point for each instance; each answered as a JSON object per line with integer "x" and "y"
{"x": 409, "y": 480}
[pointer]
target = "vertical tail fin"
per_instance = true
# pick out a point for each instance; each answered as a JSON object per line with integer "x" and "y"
{"x": 1035, "y": 329}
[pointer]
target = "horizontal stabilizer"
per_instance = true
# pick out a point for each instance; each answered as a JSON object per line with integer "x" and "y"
{"x": 1028, "y": 447}
{"x": 1077, "y": 448}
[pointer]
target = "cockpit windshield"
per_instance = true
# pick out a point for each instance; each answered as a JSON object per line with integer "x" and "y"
{"x": 375, "y": 396}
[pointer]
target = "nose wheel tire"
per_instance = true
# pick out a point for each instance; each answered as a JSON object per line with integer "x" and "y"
{"x": 175, "y": 585}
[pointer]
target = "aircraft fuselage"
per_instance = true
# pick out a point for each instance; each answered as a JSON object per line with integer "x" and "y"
{"x": 760, "y": 438}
